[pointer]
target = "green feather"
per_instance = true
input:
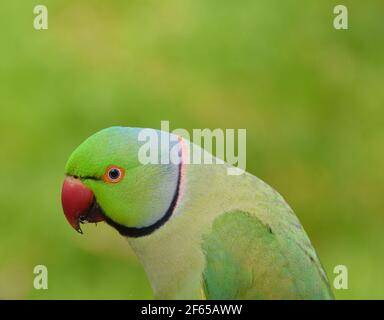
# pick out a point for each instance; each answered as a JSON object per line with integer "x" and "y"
{"x": 245, "y": 259}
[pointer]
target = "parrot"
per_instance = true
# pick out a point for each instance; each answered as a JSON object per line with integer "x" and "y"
{"x": 198, "y": 232}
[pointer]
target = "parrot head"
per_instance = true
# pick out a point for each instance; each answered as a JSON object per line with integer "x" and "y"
{"x": 105, "y": 181}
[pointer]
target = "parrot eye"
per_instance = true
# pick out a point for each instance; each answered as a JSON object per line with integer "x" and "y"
{"x": 114, "y": 174}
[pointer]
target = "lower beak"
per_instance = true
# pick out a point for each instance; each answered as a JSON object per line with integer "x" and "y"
{"x": 79, "y": 204}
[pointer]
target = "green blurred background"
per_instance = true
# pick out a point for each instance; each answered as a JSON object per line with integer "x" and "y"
{"x": 311, "y": 98}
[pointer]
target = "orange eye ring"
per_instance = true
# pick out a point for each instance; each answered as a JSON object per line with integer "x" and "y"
{"x": 114, "y": 174}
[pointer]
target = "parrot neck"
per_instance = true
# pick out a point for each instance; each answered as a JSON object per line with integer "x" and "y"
{"x": 172, "y": 256}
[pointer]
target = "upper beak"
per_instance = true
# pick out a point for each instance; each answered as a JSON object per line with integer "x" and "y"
{"x": 79, "y": 204}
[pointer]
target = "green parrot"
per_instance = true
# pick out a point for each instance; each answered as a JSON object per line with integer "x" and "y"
{"x": 198, "y": 232}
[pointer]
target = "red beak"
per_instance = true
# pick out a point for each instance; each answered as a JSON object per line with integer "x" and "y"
{"x": 78, "y": 204}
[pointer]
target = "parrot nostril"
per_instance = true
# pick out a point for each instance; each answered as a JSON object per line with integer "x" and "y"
{"x": 76, "y": 177}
